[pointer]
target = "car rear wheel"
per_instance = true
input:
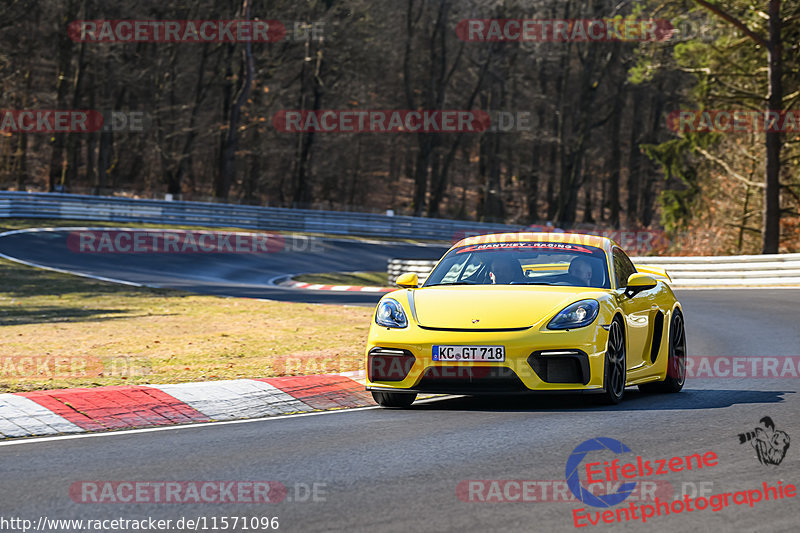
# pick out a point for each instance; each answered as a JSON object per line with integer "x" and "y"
{"x": 394, "y": 399}
{"x": 615, "y": 365}
{"x": 676, "y": 360}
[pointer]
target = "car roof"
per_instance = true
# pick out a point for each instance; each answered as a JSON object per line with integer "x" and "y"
{"x": 604, "y": 243}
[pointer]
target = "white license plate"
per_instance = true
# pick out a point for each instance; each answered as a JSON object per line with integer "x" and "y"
{"x": 469, "y": 353}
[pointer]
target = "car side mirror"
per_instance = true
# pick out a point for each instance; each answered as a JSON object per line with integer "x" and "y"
{"x": 638, "y": 282}
{"x": 408, "y": 280}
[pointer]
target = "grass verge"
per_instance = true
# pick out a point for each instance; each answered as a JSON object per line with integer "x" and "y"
{"x": 66, "y": 331}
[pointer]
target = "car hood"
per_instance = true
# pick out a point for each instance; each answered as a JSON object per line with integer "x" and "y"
{"x": 490, "y": 306}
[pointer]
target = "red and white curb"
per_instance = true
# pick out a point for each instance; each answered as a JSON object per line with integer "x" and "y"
{"x": 53, "y": 412}
{"x": 320, "y": 287}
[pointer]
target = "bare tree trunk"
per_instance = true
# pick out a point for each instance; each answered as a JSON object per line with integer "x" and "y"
{"x": 647, "y": 201}
{"x": 21, "y": 156}
{"x": 588, "y": 203}
{"x": 634, "y": 159}
{"x": 91, "y": 144}
{"x": 228, "y": 155}
{"x": 57, "y": 163}
{"x": 532, "y": 183}
{"x": 772, "y": 43}
{"x": 73, "y": 141}
{"x": 615, "y": 161}
{"x": 439, "y": 178}
{"x": 355, "y": 177}
{"x": 433, "y": 95}
{"x": 535, "y": 173}
{"x": 301, "y": 183}
{"x": 772, "y": 211}
{"x": 220, "y": 188}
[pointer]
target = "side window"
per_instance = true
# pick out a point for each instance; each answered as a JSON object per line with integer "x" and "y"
{"x": 623, "y": 267}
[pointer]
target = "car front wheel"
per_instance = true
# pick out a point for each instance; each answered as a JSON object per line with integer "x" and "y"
{"x": 394, "y": 399}
{"x": 615, "y": 366}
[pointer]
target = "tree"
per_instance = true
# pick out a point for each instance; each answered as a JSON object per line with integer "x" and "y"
{"x": 773, "y": 43}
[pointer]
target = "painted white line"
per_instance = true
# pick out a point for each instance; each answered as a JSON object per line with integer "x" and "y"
{"x": 200, "y": 424}
{"x": 81, "y": 274}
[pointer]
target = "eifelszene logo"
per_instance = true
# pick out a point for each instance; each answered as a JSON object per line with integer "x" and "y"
{"x": 769, "y": 443}
{"x": 620, "y": 471}
{"x": 574, "y": 482}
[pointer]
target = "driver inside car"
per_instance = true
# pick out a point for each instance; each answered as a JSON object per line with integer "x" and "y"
{"x": 580, "y": 270}
{"x": 504, "y": 270}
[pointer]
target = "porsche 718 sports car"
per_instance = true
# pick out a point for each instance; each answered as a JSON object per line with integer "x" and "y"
{"x": 522, "y": 312}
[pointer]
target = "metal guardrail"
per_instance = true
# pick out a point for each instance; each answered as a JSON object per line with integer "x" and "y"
{"x": 729, "y": 271}
{"x": 117, "y": 209}
{"x": 685, "y": 271}
{"x": 726, "y": 271}
{"x": 420, "y": 267}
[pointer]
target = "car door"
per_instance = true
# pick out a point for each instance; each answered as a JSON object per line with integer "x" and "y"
{"x": 638, "y": 310}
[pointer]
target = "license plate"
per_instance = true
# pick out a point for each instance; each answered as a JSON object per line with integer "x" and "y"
{"x": 469, "y": 353}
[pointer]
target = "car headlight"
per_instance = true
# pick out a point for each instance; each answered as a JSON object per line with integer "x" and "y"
{"x": 575, "y": 315}
{"x": 390, "y": 314}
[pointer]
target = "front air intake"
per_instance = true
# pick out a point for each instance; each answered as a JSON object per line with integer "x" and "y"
{"x": 389, "y": 364}
{"x": 561, "y": 366}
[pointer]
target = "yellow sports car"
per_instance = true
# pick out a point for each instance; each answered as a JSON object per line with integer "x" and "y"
{"x": 520, "y": 312}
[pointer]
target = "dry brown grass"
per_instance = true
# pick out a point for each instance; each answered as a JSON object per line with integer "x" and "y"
{"x": 66, "y": 331}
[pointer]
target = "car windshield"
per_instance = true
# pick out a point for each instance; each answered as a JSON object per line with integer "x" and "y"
{"x": 522, "y": 263}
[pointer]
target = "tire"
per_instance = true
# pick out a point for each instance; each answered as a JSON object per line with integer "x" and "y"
{"x": 615, "y": 370}
{"x": 676, "y": 360}
{"x": 394, "y": 399}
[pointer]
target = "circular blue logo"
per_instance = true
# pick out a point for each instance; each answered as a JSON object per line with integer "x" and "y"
{"x": 574, "y": 482}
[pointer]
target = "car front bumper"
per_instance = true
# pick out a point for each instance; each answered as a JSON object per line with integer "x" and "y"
{"x": 538, "y": 360}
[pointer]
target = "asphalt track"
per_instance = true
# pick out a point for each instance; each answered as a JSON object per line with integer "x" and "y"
{"x": 389, "y": 470}
{"x": 249, "y": 275}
